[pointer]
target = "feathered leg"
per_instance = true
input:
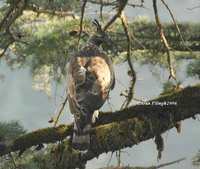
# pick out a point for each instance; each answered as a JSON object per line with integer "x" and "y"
{"x": 81, "y": 135}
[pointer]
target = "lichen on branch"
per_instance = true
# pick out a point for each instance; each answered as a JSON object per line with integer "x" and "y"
{"x": 137, "y": 123}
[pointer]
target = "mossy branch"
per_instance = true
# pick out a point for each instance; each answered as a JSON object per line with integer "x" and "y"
{"x": 137, "y": 123}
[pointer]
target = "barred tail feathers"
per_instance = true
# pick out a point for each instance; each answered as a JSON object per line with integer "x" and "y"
{"x": 81, "y": 139}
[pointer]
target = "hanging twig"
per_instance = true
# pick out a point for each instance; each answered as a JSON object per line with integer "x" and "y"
{"x": 175, "y": 23}
{"x": 164, "y": 41}
{"x": 81, "y": 21}
{"x": 170, "y": 163}
{"x": 151, "y": 167}
{"x": 59, "y": 112}
{"x": 110, "y": 159}
{"x": 122, "y": 4}
{"x": 195, "y": 7}
{"x": 101, "y": 10}
{"x": 132, "y": 71}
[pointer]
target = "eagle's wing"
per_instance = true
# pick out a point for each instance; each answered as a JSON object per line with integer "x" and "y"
{"x": 89, "y": 78}
{"x": 89, "y": 82}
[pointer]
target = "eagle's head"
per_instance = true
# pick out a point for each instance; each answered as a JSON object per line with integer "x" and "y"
{"x": 101, "y": 37}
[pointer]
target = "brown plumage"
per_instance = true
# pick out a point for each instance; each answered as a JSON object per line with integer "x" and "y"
{"x": 90, "y": 78}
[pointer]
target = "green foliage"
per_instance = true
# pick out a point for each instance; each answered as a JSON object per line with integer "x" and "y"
{"x": 168, "y": 86}
{"x": 10, "y": 130}
{"x": 50, "y": 45}
{"x": 194, "y": 69}
{"x": 30, "y": 159}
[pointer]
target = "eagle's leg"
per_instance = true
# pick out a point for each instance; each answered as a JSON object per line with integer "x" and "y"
{"x": 81, "y": 135}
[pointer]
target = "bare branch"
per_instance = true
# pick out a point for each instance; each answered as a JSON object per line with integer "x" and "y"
{"x": 82, "y": 17}
{"x": 195, "y": 7}
{"x": 39, "y": 10}
{"x": 132, "y": 71}
{"x": 122, "y": 4}
{"x": 103, "y": 2}
{"x": 170, "y": 163}
{"x": 114, "y": 3}
{"x": 164, "y": 41}
{"x": 59, "y": 112}
{"x": 101, "y": 10}
{"x": 176, "y": 25}
{"x": 151, "y": 167}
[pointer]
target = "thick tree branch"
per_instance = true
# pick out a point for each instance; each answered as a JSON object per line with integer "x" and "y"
{"x": 137, "y": 123}
{"x": 15, "y": 10}
{"x": 40, "y": 10}
{"x": 114, "y": 3}
{"x": 148, "y": 122}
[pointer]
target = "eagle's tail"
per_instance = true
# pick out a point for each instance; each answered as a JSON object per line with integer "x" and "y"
{"x": 82, "y": 128}
{"x": 81, "y": 139}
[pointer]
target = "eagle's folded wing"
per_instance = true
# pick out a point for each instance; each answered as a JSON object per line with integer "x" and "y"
{"x": 89, "y": 82}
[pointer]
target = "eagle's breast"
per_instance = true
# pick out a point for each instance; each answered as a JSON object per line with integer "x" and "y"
{"x": 100, "y": 69}
{"x": 90, "y": 79}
